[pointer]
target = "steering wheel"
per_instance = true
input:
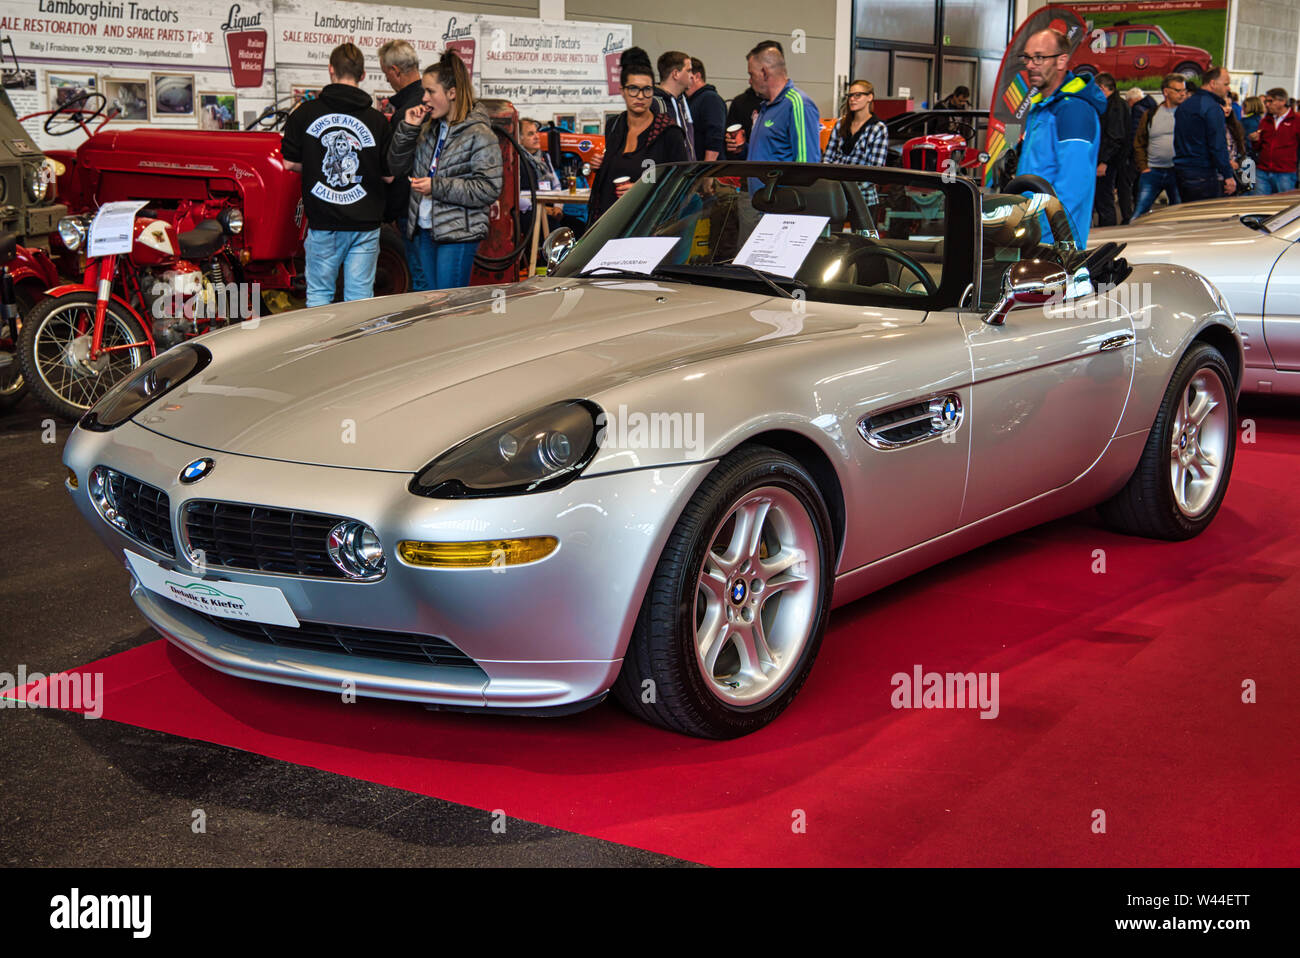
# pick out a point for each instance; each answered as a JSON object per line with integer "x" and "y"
{"x": 888, "y": 252}
{"x": 272, "y": 118}
{"x": 961, "y": 126}
{"x": 72, "y": 115}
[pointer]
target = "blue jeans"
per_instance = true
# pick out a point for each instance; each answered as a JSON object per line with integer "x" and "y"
{"x": 327, "y": 250}
{"x": 443, "y": 265}
{"x": 414, "y": 264}
{"x": 1268, "y": 182}
{"x": 1151, "y": 184}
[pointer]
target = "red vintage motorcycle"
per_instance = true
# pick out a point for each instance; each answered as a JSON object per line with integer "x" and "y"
{"x": 84, "y": 337}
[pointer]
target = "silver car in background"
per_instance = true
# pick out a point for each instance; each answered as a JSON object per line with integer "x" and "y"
{"x": 749, "y": 393}
{"x": 1253, "y": 258}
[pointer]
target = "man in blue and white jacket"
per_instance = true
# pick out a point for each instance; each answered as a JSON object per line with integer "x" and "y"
{"x": 1062, "y": 128}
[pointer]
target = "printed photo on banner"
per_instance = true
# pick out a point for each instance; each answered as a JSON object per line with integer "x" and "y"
{"x": 173, "y": 95}
{"x": 1140, "y": 41}
{"x": 127, "y": 99}
{"x": 65, "y": 87}
{"x": 16, "y": 78}
{"x": 217, "y": 111}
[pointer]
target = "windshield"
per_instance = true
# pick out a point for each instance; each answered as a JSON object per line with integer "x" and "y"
{"x": 826, "y": 233}
{"x": 1283, "y": 219}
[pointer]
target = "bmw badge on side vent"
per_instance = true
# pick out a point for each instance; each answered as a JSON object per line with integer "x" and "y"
{"x": 195, "y": 470}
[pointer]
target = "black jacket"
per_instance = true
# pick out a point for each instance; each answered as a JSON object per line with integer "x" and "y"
{"x": 663, "y": 142}
{"x": 710, "y": 113}
{"x": 399, "y": 191}
{"x": 1115, "y": 143}
{"x": 341, "y": 142}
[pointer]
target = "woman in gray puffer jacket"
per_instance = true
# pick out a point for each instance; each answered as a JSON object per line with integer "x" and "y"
{"x": 453, "y": 159}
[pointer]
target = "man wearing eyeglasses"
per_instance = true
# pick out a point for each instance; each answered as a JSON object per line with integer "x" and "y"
{"x": 1154, "y": 147}
{"x": 1278, "y": 137}
{"x": 1062, "y": 127}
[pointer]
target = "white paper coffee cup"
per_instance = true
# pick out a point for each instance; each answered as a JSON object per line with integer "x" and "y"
{"x": 622, "y": 179}
{"x": 735, "y": 128}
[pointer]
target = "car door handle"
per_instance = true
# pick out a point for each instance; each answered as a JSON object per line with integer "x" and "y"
{"x": 1117, "y": 342}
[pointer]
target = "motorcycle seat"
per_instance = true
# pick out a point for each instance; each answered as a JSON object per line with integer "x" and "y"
{"x": 8, "y": 246}
{"x": 202, "y": 241}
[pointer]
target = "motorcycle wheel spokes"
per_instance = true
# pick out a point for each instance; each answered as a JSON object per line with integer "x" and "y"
{"x": 62, "y": 354}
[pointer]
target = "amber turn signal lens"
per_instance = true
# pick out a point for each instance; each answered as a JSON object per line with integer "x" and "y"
{"x": 72, "y": 479}
{"x": 492, "y": 553}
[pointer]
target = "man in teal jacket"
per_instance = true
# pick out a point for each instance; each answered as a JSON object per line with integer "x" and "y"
{"x": 1062, "y": 128}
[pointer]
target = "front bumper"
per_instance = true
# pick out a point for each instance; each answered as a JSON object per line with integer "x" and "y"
{"x": 543, "y": 635}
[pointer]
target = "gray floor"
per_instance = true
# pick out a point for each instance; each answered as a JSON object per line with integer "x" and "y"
{"x": 87, "y": 793}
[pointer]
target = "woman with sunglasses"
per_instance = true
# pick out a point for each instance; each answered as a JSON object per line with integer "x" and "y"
{"x": 859, "y": 138}
{"x": 634, "y": 136}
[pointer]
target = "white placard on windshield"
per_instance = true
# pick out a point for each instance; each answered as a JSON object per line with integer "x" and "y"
{"x": 112, "y": 227}
{"x": 635, "y": 254}
{"x": 780, "y": 242}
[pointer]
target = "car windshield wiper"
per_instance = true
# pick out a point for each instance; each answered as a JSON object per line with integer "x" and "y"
{"x": 771, "y": 279}
{"x": 615, "y": 272}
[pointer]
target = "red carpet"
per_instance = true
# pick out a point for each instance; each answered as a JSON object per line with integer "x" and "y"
{"x": 1119, "y": 692}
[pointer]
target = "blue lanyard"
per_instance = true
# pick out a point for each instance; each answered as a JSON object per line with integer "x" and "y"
{"x": 437, "y": 149}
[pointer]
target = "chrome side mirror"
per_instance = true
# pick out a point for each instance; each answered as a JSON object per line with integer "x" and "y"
{"x": 1028, "y": 283}
{"x": 556, "y": 246}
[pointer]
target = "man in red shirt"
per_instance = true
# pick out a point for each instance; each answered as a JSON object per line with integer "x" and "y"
{"x": 1277, "y": 139}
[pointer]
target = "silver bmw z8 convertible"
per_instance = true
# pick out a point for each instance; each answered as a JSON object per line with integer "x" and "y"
{"x": 750, "y": 393}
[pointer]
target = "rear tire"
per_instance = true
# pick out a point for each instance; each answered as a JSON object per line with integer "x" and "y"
{"x": 52, "y": 348}
{"x": 737, "y": 607}
{"x": 1183, "y": 474}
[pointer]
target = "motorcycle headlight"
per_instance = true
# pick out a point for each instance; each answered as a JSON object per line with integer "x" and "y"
{"x": 38, "y": 181}
{"x": 153, "y": 379}
{"x": 542, "y": 450}
{"x": 231, "y": 220}
{"x": 72, "y": 231}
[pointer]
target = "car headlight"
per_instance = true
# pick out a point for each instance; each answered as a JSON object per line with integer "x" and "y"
{"x": 72, "y": 231}
{"x": 231, "y": 220}
{"x": 542, "y": 450}
{"x": 156, "y": 377}
{"x": 38, "y": 181}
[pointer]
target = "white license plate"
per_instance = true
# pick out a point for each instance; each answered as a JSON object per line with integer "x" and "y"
{"x": 230, "y": 600}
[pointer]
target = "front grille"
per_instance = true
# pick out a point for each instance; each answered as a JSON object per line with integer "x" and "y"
{"x": 260, "y": 539}
{"x": 146, "y": 510}
{"x": 363, "y": 643}
{"x": 923, "y": 158}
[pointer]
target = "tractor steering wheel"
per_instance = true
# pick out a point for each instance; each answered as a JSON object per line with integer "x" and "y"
{"x": 272, "y": 118}
{"x": 72, "y": 115}
{"x": 962, "y": 127}
{"x": 888, "y": 252}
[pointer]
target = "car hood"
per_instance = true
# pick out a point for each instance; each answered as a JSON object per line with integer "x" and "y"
{"x": 389, "y": 383}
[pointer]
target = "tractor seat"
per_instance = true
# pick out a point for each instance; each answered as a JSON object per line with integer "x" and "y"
{"x": 202, "y": 241}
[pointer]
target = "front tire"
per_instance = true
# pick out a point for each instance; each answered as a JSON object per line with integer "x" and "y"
{"x": 1183, "y": 474}
{"x": 53, "y": 347}
{"x": 737, "y": 606}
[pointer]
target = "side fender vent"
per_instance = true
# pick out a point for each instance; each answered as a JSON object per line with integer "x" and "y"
{"x": 916, "y": 422}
